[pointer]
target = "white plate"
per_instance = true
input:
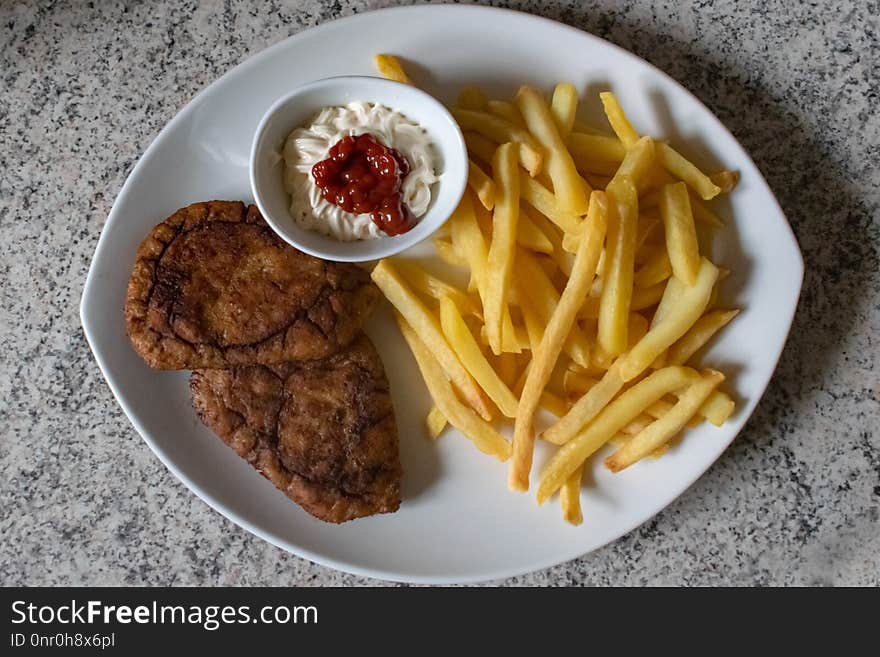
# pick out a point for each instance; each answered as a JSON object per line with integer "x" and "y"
{"x": 458, "y": 522}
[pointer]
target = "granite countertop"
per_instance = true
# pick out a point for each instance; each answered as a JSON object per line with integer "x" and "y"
{"x": 87, "y": 86}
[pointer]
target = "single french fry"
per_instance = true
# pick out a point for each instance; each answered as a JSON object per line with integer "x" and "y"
{"x": 501, "y": 131}
{"x": 426, "y": 326}
{"x": 656, "y": 269}
{"x": 506, "y": 367}
{"x": 436, "y": 422}
{"x": 447, "y": 253}
{"x": 568, "y": 186}
{"x": 502, "y": 249}
{"x": 468, "y": 351}
{"x": 557, "y": 330}
{"x": 717, "y": 408}
{"x": 391, "y": 68}
{"x": 596, "y": 148}
{"x": 468, "y": 240}
{"x": 506, "y": 110}
{"x": 619, "y": 123}
{"x": 614, "y": 304}
{"x": 660, "y": 431}
{"x": 436, "y": 288}
{"x": 608, "y": 422}
{"x": 472, "y": 98}
{"x": 570, "y": 497}
{"x": 543, "y": 200}
{"x": 530, "y": 236}
{"x": 564, "y": 107}
{"x": 638, "y": 161}
{"x": 463, "y": 418}
{"x": 482, "y": 184}
{"x": 585, "y": 409}
{"x": 681, "y": 234}
{"x": 726, "y": 180}
{"x": 686, "y": 310}
{"x": 698, "y": 335}
{"x": 683, "y": 169}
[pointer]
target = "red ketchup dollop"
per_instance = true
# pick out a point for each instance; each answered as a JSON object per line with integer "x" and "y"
{"x": 362, "y": 175}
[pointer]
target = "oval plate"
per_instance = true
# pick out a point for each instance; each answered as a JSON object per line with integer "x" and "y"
{"x": 458, "y": 522}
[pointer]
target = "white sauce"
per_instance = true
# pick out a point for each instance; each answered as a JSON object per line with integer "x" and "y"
{"x": 307, "y": 146}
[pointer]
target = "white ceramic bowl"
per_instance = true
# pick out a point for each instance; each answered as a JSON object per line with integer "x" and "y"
{"x": 297, "y": 107}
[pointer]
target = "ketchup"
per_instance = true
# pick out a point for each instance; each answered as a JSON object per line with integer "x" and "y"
{"x": 363, "y": 175}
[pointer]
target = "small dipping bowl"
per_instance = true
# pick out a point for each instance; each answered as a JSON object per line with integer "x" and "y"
{"x": 299, "y": 107}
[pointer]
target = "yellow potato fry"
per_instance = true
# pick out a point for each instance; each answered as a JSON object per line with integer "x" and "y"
{"x": 703, "y": 214}
{"x": 426, "y": 326}
{"x": 435, "y": 422}
{"x": 479, "y": 146}
{"x": 617, "y": 283}
{"x": 468, "y": 351}
{"x": 483, "y": 435}
{"x": 638, "y": 424}
{"x": 637, "y": 326}
{"x": 726, "y": 180}
{"x": 503, "y": 245}
{"x": 559, "y": 326}
{"x": 568, "y": 186}
{"x": 530, "y": 236}
{"x": 471, "y": 98}
{"x": 608, "y": 422}
{"x": 718, "y": 408}
{"x": 682, "y": 314}
{"x": 501, "y": 131}
{"x": 534, "y": 325}
{"x": 681, "y": 168}
{"x": 648, "y": 225}
{"x": 646, "y": 297}
{"x": 391, "y": 68}
{"x": 656, "y": 269}
{"x": 698, "y": 335}
{"x": 564, "y": 107}
{"x": 543, "y": 298}
{"x": 551, "y": 402}
{"x": 638, "y": 161}
{"x": 585, "y": 408}
{"x": 660, "y": 431}
{"x": 506, "y": 110}
{"x": 507, "y": 368}
{"x": 596, "y": 148}
{"x": 619, "y": 123}
{"x": 681, "y": 234}
{"x": 570, "y": 497}
{"x": 543, "y": 200}
{"x": 563, "y": 259}
{"x": 437, "y": 288}
{"x": 448, "y": 254}
{"x": 482, "y": 184}
{"x": 467, "y": 239}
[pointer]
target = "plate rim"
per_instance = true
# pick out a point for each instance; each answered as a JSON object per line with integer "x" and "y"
{"x": 88, "y": 299}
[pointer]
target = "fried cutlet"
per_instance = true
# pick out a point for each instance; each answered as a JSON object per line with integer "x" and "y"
{"x": 322, "y": 431}
{"x": 214, "y": 286}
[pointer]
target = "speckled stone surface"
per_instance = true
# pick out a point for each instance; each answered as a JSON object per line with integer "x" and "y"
{"x": 85, "y": 87}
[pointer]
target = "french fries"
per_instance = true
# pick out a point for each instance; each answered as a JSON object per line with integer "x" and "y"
{"x": 568, "y": 187}
{"x": 460, "y": 416}
{"x": 425, "y": 325}
{"x": 608, "y": 422}
{"x": 391, "y": 68}
{"x": 502, "y": 131}
{"x": 681, "y": 234}
{"x": 468, "y": 351}
{"x": 503, "y": 246}
{"x": 558, "y": 328}
{"x": 587, "y": 296}
{"x": 660, "y": 431}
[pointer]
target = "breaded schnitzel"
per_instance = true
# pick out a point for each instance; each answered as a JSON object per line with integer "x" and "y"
{"x": 322, "y": 431}
{"x": 214, "y": 286}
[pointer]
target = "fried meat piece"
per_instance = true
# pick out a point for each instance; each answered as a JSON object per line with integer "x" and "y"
{"x": 214, "y": 286}
{"x": 322, "y": 431}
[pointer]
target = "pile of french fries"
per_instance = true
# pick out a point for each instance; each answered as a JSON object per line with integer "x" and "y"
{"x": 588, "y": 295}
